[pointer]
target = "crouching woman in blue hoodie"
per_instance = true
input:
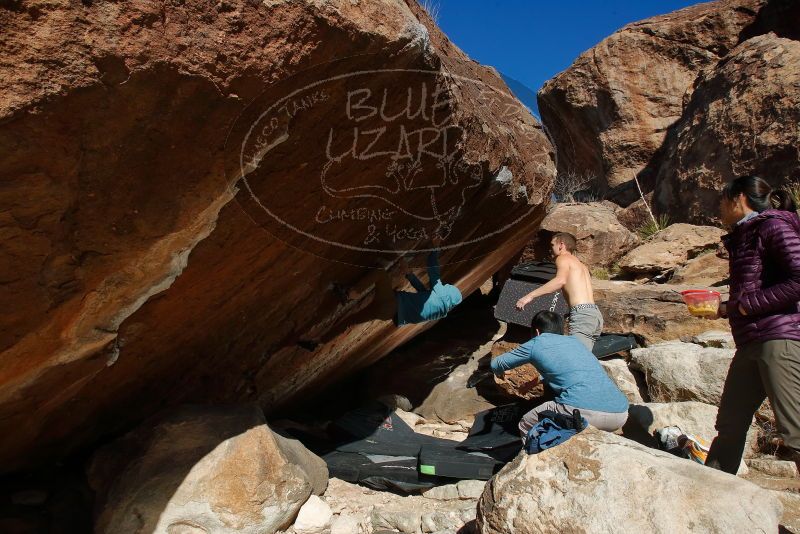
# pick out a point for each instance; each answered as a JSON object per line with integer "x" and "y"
{"x": 572, "y": 372}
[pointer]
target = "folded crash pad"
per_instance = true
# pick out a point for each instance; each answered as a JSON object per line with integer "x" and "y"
{"x": 537, "y": 272}
{"x": 380, "y": 472}
{"x": 610, "y": 344}
{"x": 448, "y": 461}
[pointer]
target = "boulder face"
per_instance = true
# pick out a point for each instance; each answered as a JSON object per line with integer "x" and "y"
{"x": 671, "y": 248}
{"x": 600, "y": 482}
{"x": 704, "y": 270}
{"x": 655, "y": 312}
{"x": 609, "y": 112}
{"x": 184, "y": 183}
{"x": 742, "y": 119}
{"x": 602, "y": 239}
{"x": 199, "y": 469}
{"x": 677, "y": 371}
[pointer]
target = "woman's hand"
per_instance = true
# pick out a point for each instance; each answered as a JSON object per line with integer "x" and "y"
{"x": 722, "y": 312}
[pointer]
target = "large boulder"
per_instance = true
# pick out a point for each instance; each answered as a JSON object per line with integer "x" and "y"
{"x": 671, "y": 248}
{"x": 600, "y": 482}
{"x": 609, "y": 112}
{"x": 742, "y": 119}
{"x": 655, "y": 312}
{"x": 184, "y": 182}
{"x": 601, "y": 238}
{"x": 678, "y": 371}
{"x": 199, "y": 469}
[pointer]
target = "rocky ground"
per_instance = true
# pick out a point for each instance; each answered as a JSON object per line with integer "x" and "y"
{"x": 674, "y": 379}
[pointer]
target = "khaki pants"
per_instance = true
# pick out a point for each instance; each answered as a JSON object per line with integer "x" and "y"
{"x": 586, "y": 323}
{"x": 769, "y": 369}
{"x": 607, "y": 421}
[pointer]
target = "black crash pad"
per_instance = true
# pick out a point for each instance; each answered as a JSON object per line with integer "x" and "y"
{"x": 610, "y": 344}
{"x": 448, "y": 461}
{"x": 376, "y": 429}
{"x": 513, "y": 290}
{"x": 537, "y": 272}
{"x": 495, "y": 428}
{"x": 380, "y": 472}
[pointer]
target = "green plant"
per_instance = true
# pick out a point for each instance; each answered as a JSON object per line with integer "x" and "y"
{"x": 600, "y": 273}
{"x": 653, "y": 226}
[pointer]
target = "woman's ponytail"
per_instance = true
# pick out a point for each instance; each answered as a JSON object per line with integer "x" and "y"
{"x": 760, "y": 195}
{"x": 781, "y": 199}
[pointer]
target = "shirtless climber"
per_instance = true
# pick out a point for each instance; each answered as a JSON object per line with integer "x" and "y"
{"x": 585, "y": 319}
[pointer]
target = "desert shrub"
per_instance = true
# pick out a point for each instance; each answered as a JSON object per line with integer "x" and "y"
{"x": 652, "y": 226}
{"x": 574, "y": 187}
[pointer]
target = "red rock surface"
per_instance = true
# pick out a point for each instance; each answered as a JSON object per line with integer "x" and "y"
{"x": 610, "y": 110}
{"x": 140, "y": 269}
{"x": 742, "y": 119}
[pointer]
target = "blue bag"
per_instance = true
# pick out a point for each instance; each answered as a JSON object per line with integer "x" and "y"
{"x": 552, "y": 429}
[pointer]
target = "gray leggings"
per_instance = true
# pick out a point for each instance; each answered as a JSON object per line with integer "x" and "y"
{"x": 586, "y": 323}
{"x": 607, "y": 421}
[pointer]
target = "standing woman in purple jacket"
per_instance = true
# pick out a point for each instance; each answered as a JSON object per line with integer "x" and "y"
{"x": 764, "y": 250}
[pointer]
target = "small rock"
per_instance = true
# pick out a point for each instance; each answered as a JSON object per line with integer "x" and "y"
{"x": 470, "y": 489}
{"x": 314, "y": 517}
{"x": 409, "y": 418}
{"x": 436, "y": 521}
{"x": 447, "y": 492}
{"x": 345, "y": 524}
{"x": 396, "y": 402}
{"x": 773, "y": 467}
{"x": 715, "y": 338}
{"x": 404, "y": 521}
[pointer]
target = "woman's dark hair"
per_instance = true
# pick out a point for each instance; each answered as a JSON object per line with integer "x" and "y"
{"x": 759, "y": 194}
{"x": 547, "y": 322}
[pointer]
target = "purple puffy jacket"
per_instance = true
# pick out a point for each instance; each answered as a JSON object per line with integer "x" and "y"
{"x": 765, "y": 277}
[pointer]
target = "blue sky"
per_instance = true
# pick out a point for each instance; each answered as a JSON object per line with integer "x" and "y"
{"x": 533, "y": 40}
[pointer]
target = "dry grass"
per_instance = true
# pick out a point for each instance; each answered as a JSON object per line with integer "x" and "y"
{"x": 433, "y": 8}
{"x": 568, "y": 184}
